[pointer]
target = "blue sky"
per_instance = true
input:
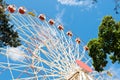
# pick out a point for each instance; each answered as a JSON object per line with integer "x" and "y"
{"x": 81, "y": 18}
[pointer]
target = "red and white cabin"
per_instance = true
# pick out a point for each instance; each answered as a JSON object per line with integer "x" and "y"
{"x": 77, "y": 40}
{"x": 60, "y": 27}
{"x": 22, "y": 10}
{"x": 69, "y": 33}
{"x": 42, "y": 17}
{"x": 51, "y": 22}
{"x": 11, "y": 8}
{"x": 86, "y": 48}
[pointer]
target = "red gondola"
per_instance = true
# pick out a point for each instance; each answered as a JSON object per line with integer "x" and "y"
{"x": 77, "y": 40}
{"x": 42, "y": 17}
{"x": 51, "y": 22}
{"x": 11, "y": 8}
{"x": 86, "y": 48}
{"x": 60, "y": 27}
{"x": 69, "y": 33}
{"x": 21, "y": 10}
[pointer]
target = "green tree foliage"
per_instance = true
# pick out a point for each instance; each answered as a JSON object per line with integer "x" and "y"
{"x": 107, "y": 43}
{"x": 7, "y": 35}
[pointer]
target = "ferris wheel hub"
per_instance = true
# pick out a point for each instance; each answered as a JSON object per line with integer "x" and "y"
{"x": 75, "y": 76}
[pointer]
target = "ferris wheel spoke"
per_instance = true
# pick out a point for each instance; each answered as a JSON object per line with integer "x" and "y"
{"x": 53, "y": 32}
{"x": 24, "y": 71}
{"x": 77, "y": 51}
{"x": 15, "y": 68}
{"x": 70, "y": 49}
{"x": 24, "y": 55}
{"x": 13, "y": 65}
{"x": 65, "y": 54}
{"x": 43, "y": 61}
{"x": 82, "y": 54}
{"x": 49, "y": 57}
{"x": 35, "y": 30}
{"x": 26, "y": 31}
{"x": 52, "y": 65}
{"x": 49, "y": 50}
{"x": 33, "y": 20}
{"x": 40, "y": 76}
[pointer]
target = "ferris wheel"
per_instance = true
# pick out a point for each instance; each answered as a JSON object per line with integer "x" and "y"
{"x": 47, "y": 51}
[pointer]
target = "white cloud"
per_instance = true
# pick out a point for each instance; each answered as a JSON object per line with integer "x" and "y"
{"x": 15, "y": 54}
{"x": 59, "y": 17}
{"x": 87, "y": 3}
